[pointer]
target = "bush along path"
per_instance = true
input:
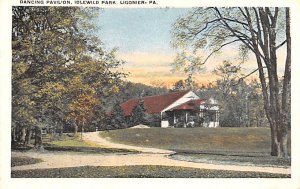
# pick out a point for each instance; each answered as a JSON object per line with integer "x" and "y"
{"x": 148, "y": 156}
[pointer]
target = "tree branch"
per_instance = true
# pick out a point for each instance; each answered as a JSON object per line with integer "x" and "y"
{"x": 242, "y": 78}
{"x": 236, "y": 21}
{"x": 259, "y": 38}
{"x": 218, "y": 50}
{"x": 246, "y": 41}
{"x": 241, "y": 10}
{"x": 280, "y": 44}
{"x": 206, "y": 25}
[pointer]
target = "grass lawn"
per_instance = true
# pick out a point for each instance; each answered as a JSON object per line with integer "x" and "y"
{"x": 223, "y": 145}
{"x": 257, "y": 160}
{"x": 72, "y": 141}
{"x": 75, "y": 144}
{"x": 62, "y": 141}
{"x": 208, "y": 145}
{"x": 18, "y": 161}
{"x": 196, "y": 139}
{"x": 138, "y": 171}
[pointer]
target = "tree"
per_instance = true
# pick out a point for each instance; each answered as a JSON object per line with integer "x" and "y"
{"x": 129, "y": 90}
{"x": 44, "y": 41}
{"x": 179, "y": 86}
{"x": 232, "y": 96}
{"x": 261, "y": 31}
{"x": 54, "y": 104}
{"x": 51, "y": 48}
{"x": 158, "y": 86}
{"x": 255, "y": 105}
{"x": 81, "y": 110}
{"x": 138, "y": 115}
{"x": 117, "y": 118}
{"x": 241, "y": 103}
{"x": 227, "y": 74}
{"x": 187, "y": 84}
{"x": 23, "y": 110}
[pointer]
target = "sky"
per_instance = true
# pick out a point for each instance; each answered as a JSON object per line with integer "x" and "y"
{"x": 143, "y": 37}
{"x": 138, "y": 30}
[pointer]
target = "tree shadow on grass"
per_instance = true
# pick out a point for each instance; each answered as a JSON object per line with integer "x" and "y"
{"x": 233, "y": 158}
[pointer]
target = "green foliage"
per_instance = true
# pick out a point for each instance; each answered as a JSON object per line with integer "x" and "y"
{"x": 187, "y": 84}
{"x": 241, "y": 103}
{"x": 61, "y": 72}
{"x": 74, "y": 142}
{"x": 138, "y": 114}
{"x": 205, "y": 29}
{"x": 129, "y": 90}
{"x": 80, "y": 109}
{"x": 179, "y": 86}
{"x": 259, "y": 30}
{"x": 188, "y": 63}
{"x": 117, "y": 118}
{"x": 152, "y": 120}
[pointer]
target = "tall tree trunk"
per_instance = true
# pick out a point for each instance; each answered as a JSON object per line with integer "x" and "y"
{"x": 13, "y": 136}
{"x": 23, "y": 134}
{"x": 38, "y": 137}
{"x": 268, "y": 108}
{"x": 75, "y": 129}
{"x": 274, "y": 114}
{"x": 82, "y": 129}
{"x": 28, "y": 136}
{"x": 61, "y": 129}
{"x": 286, "y": 92}
{"x": 274, "y": 142}
{"x": 273, "y": 104}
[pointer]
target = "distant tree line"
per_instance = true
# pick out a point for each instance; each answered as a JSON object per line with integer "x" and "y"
{"x": 130, "y": 90}
{"x": 241, "y": 102}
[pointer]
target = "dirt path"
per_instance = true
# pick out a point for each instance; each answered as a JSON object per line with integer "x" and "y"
{"x": 95, "y": 138}
{"x": 149, "y": 156}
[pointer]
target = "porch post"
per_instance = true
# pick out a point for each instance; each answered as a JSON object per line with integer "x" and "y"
{"x": 186, "y": 119}
{"x": 217, "y": 118}
{"x": 185, "y": 123}
{"x": 174, "y": 117}
{"x": 160, "y": 119}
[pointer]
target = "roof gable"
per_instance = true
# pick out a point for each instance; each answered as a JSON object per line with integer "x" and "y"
{"x": 185, "y": 98}
{"x": 153, "y": 104}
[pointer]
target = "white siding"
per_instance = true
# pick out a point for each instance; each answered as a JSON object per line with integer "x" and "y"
{"x": 214, "y": 108}
{"x": 211, "y": 124}
{"x": 164, "y": 124}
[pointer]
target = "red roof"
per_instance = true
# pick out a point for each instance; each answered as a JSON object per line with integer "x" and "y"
{"x": 153, "y": 104}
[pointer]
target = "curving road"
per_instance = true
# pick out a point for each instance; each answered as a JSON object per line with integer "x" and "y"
{"x": 149, "y": 156}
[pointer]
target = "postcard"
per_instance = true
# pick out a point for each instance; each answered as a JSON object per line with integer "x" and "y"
{"x": 160, "y": 92}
